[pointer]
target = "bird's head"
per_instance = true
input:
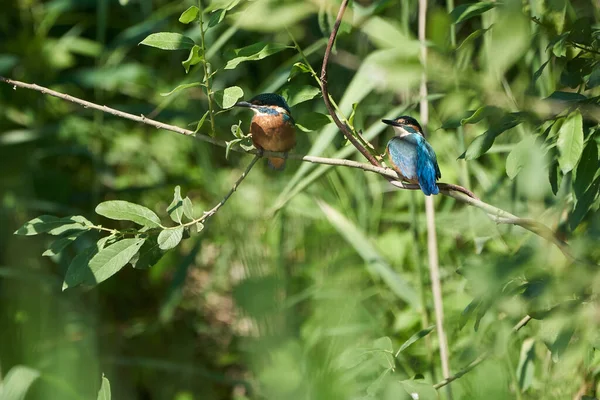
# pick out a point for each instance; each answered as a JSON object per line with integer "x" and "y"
{"x": 404, "y": 125}
{"x": 266, "y": 103}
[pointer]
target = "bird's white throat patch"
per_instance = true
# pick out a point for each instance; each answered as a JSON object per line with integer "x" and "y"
{"x": 401, "y": 132}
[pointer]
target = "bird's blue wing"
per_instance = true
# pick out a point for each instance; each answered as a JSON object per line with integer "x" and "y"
{"x": 428, "y": 170}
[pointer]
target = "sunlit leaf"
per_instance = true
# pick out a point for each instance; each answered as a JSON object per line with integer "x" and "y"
{"x": 54, "y": 225}
{"x": 169, "y": 238}
{"x": 256, "y": 51}
{"x": 17, "y": 382}
{"x": 201, "y": 121}
{"x": 414, "y": 338}
{"x": 570, "y": 142}
{"x": 111, "y": 259}
{"x": 124, "y": 211}
{"x": 227, "y": 97}
{"x": 189, "y": 15}
{"x": 168, "y": 41}
{"x": 193, "y": 58}
{"x": 175, "y": 209}
{"x": 298, "y": 68}
{"x": 188, "y": 208}
{"x": 181, "y": 87}
{"x": 104, "y": 392}
{"x": 526, "y": 366}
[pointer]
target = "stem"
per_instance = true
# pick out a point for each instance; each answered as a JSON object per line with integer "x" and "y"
{"x": 432, "y": 247}
{"x": 205, "y": 65}
{"x": 343, "y": 127}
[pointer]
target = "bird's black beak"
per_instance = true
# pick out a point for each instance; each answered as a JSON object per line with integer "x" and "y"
{"x": 390, "y": 122}
{"x": 243, "y": 104}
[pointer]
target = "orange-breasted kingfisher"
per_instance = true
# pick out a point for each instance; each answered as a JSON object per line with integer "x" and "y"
{"x": 411, "y": 156}
{"x": 272, "y": 126}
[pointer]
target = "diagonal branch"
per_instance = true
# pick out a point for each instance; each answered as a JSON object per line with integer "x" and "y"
{"x": 324, "y": 87}
{"x": 457, "y": 192}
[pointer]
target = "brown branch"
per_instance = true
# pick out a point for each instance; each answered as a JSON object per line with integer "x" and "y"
{"x": 343, "y": 127}
{"x": 479, "y": 359}
{"x": 457, "y": 192}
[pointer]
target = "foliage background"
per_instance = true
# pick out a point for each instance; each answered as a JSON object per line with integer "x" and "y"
{"x": 296, "y": 304}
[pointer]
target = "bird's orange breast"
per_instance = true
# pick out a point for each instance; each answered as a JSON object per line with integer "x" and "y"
{"x": 273, "y": 132}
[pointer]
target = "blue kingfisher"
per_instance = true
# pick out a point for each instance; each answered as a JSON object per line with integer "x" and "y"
{"x": 272, "y": 126}
{"x": 411, "y": 156}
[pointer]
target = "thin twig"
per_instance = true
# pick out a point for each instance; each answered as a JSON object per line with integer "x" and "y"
{"x": 432, "y": 246}
{"x": 213, "y": 211}
{"x": 457, "y": 192}
{"x": 343, "y": 127}
{"x": 205, "y": 66}
{"x": 481, "y": 358}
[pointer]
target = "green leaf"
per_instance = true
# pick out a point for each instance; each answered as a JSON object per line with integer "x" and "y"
{"x": 312, "y": 121}
{"x": 60, "y": 244}
{"x": 471, "y": 38}
{"x": 526, "y": 366}
{"x": 111, "y": 259}
{"x": 79, "y": 270}
{"x": 584, "y": 203}
{"x": 296, "y": 94}
{"x": 189, "y": 15}
{"x": 216, "y": 17}
{"x": 197, "y": 228}
{"x": 375, "y": 263}
{"x": 188, "y": 208}
{"x": 561, "y": 343}
{"x": 104, "y": 392}
{"x": 121, "y": 210}
{"x": 229, "y": 145}
{"x": 419, "y": 390}
{"x": 149, "y": 254}
{"x": 481, "y": 113}
{"x": 520, "y": 156}
{"x": 175, "y": 209}
{"x": 417, "y": 336}
{"x": 569, "y": 97}
{"x": 168, "y": 41}
{"x": 256, "y": 51}
{"x": 227, "y": 97}
{"x": 384, "y": 356}
{"x": 594, "y": 78}
{"x": 17, "y": 382}
{"x": 181, "y": 87}
{"x": 193, "y": 58}
{"x": 466, "y": 11}
{"x": 169, "y": 238}
{"x": 298, "y": 68}
{"x": 482, "y": 143}
{"x": 53, "y": 225}
{"x": 587, "y": 168}
{"x": 201, "y": 122}
{"x": 570, "y": 142}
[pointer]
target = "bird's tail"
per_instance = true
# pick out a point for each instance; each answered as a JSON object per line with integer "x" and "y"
{"x": 278, "y": 164}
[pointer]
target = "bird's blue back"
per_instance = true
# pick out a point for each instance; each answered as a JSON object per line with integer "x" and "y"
{"x": 416, "y": 161}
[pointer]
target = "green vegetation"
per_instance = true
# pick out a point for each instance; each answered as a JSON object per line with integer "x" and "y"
{"x": 130, "y": 277}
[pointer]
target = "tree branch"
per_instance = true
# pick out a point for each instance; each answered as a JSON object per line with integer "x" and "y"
{"x": 457, "y": 192}
{"x": 324, "y": 87}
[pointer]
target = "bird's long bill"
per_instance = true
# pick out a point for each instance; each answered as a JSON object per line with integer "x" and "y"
{"x": 243, "y": 104}
{"x": 390, "y": 122}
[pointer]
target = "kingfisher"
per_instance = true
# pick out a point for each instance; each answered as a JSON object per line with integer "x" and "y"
{"x": 272, "y": 126}
{"x": 411, "y": 156}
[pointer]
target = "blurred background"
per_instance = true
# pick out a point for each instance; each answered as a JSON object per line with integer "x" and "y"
{"x": 306, "y": 284}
